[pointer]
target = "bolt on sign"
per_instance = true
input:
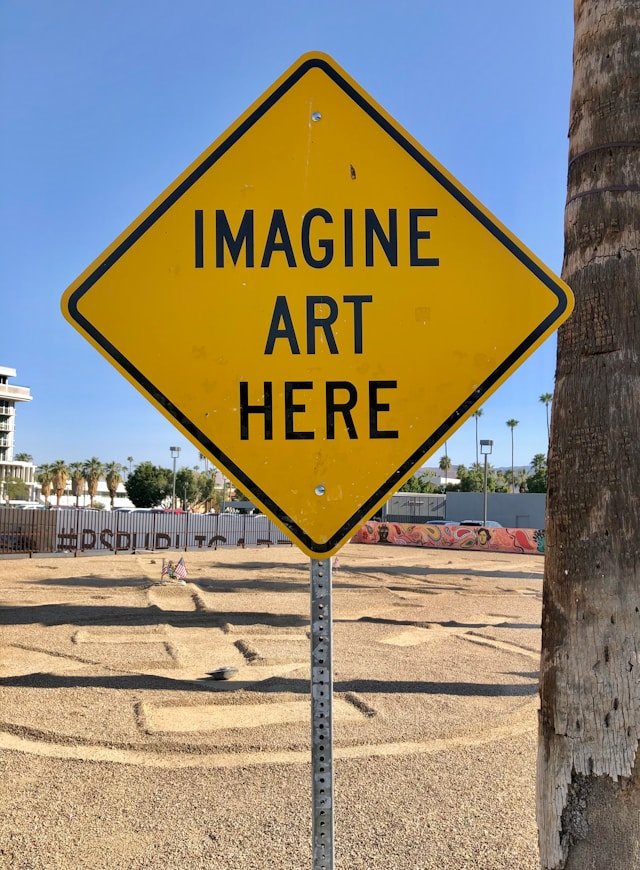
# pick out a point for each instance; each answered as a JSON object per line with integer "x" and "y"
{"x": 291, "y": 304}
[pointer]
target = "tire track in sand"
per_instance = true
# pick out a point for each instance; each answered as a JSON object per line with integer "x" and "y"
{"x": 524, "y": 723}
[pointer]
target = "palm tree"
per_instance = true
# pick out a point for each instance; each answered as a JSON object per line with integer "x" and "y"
{"x": 477, "y": 414}
{"x": 445, "y": 465}
{"x": 546, "y": 399}
{"x": 23, "y": 457}
{"x": 588, "y": 784}
{"x": 130, "y": 461}
{"x": 512, "y": 425}
{"x": 538, "y": 479}
{"x": 77, "y": 480}
{"x": 45, "y": 479}
{"x": 93, "y": 470}
{"x": 113, "y": 479}
{"x": 539, "y": 463}
{"x": 59, "y": 477}
{"x": 521, "y": 480}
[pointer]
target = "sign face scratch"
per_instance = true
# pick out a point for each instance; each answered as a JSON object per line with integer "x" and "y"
{"x": 289, "y": 304}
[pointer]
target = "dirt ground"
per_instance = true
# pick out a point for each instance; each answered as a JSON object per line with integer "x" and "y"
{"x": 116, "y": 751}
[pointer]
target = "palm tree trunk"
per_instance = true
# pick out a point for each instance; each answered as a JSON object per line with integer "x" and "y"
{"x": 513, "y": 476}
{"x": 546, "y": 405}
{"x": 588, "y": 760}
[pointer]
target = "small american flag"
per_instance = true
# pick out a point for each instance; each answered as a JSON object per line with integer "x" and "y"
{"x": 181, "y": 569}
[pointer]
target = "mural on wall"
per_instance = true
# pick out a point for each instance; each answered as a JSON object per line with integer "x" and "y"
{"x": 452, "y": 537}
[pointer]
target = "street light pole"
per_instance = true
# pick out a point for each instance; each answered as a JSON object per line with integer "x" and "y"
{"x": 175, "y": 452}
{"x": 485, "y": 449}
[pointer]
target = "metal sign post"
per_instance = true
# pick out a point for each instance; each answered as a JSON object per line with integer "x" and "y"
{"x": 321, "y": 714}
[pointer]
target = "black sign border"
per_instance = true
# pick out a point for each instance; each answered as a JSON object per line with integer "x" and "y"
{"x": 365, "y": 510}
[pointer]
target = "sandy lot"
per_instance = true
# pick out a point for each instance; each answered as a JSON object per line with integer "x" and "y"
{"x": 116, "y": 751}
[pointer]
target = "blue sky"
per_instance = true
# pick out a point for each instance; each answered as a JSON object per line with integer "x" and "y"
{"x": 104, "y": 104}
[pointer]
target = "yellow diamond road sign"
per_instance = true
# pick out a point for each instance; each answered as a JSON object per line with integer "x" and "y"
{"x": 316, "y": 304}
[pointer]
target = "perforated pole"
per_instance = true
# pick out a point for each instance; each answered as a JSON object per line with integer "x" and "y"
{"x": 321, "y": 714}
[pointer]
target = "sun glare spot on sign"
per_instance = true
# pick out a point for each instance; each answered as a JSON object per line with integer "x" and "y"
{"x": 318, "y": 252}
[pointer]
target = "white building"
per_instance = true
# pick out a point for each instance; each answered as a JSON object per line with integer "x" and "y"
{"x": 9, "y": 468}
{"x": 102, "y": 497}
{"x": 437, "y": 477}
